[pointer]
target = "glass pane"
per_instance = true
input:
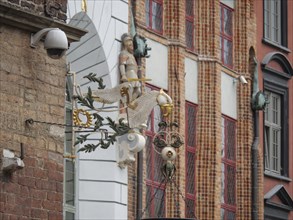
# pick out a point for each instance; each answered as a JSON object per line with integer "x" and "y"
{"x": 190, "y": 178}
{"x": 189, "y": 34}
{"x": 230, "y": 215}
{"x": 159, "y": 203}
{"x": 68, "y": 131}
{"x": 223, "y": 138}
{"x": 147, "y": 13}
{"x": 222, "y": 214}
{"x": 191, "y": 123}
{"x": 157, "y": 118}
{"x": 231, "y": 136}
{"x": 267, "y": 143}
{"x": 223, "y": 183}
{"x": 69, "y": 182}
{"x": 156, "y": 16}
{"x": 230, "y": 190}
{"x": 69, "y": 216}
{"x": 148, "y": 201}
{"x": 158, "y": 163}
{"x": 227, "y": 59}
{"x": 69, "y": 89}
{"x": 228, "y": 21}
{"x": 189, "y": 7}
{"x": 148, "y": 149}
{"x": 190, "y": 208}
{"x": 276, "y": 157}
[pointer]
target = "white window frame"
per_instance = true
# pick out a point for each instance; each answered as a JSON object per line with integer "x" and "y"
{"x": 272, "y": 133}
{"x": 272, "y": 20}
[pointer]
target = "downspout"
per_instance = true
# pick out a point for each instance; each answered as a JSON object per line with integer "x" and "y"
{"x": 254, "y": 152}
{"x": 258, "y": 103}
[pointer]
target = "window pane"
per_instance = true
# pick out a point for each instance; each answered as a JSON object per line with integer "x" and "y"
{"x": 223, "y": 138}
{"x": 68, "y": 131}
{"x": 69, "y": 182}
{"x": 231, "y": 135}
{"x": 227, "y": 25}
{"x": 191, "y": 123}
{"x": 149, "y": 149}
{"x": 189, "y": 34}
{"x": 189, "y": 7}
{"x": 190, "y": 178}
{"x": 158, "y": 163}
{"x": 190, "y": 204}
{"x": 159, "y": 202}
{"x": 156, "y": 16}
{"x": 230, "y": 215}
{"x": 157, "y": 118}
{"x": 223, "y": 180}
{"x": 147, "y": 13}
{"x": 227, "y": 53}
{"x": 69, "y": 216}
{"x": 230, "y": 185}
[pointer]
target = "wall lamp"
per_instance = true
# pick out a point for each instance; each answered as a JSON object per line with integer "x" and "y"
{"x": 56, "y": 42}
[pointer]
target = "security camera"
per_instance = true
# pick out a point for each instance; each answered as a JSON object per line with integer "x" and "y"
{"x": 55, "y": 43}
{"x": 242, "y": 79}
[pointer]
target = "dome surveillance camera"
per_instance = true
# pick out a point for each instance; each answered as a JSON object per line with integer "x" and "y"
{"x": 56, "y": 42}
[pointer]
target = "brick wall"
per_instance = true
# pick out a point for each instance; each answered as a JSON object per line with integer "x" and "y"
{"x": 31, "y": 86}
{"x": 207, "y": 54}
{"x": 49, "y": 8}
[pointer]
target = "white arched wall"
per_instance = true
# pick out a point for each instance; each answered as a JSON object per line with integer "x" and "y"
{"x": 101, "y": 186}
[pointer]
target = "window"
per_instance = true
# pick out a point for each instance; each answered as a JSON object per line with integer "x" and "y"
{"x": 155, "y": 201}
{"x": 69, "y": 168}
{"x": 189, "y": 24}
{"x": 228, "y": 186}
{"x": 226, "y": 34}
{"x": 275, "y": 132}
{"x": 275, "y": 21}
{"x": 154, "y": 15}
{"x": 276, "y": 127}
{"x": 272, "y": 132}
{"x": 190, "y": 134}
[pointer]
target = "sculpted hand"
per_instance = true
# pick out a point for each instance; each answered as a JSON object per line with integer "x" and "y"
{"x": 124, "y": 78}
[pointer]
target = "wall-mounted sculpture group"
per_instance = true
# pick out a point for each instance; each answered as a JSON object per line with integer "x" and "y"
{"x": 134, "y": 108}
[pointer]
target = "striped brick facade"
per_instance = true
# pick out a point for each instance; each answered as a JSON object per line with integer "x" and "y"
{"x": 207, "y": 55}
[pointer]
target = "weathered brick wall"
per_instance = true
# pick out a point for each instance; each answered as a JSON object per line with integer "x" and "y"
{"x": 31, "y": 86}
{"x": 48, "y": 8}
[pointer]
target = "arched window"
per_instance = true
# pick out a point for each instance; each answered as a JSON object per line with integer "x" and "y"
{"x": 277, "y": 71}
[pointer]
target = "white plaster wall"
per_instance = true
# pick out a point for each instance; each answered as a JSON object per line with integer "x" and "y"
{"x": 157, "y": 64}
{"x": 229, "y": 95}
{"x": 191, "y": 80}
{"x": 101, "y": 187}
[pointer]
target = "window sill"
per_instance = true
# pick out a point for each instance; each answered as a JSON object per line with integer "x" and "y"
{"x": 271, "y": 43}
{"x": 276, "y": 176}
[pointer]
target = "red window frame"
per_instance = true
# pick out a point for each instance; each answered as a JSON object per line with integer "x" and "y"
{"x": 151, "y": 182}
{"x": 149, "y": 15}
{"x": 190, "y": 150}
{"x": 189, "y": 18}
{"x": 229, "y": 160}
{"x": 225, "y": 36}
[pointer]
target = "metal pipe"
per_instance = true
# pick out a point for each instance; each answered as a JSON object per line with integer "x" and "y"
{"x": 254, "y": 176}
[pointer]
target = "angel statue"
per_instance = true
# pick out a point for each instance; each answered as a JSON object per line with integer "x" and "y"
{"x": 128, "y": 67}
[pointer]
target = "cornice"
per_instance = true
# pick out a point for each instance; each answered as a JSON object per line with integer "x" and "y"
{"x": 28, "y": 21}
